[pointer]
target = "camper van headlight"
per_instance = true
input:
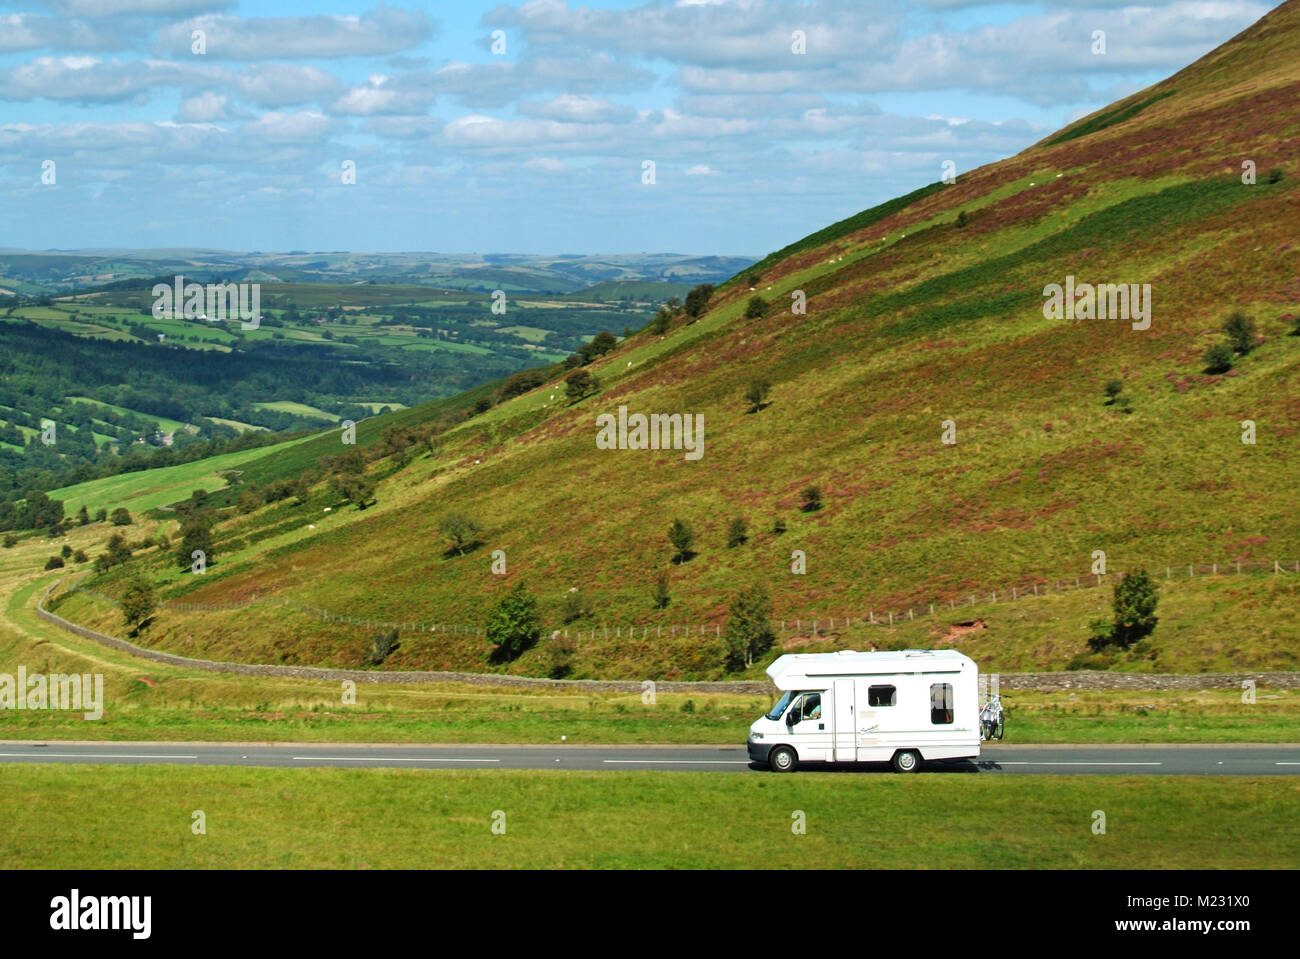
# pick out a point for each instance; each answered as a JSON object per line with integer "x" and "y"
{"x": 755, "y": 736}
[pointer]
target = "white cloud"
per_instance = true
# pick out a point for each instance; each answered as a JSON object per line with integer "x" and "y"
{"x": 380, "y": 31}
{"x": 286, "y": 84}
{"x": 208, "y": 107}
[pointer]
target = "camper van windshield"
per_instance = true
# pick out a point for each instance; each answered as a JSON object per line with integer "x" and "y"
{"x": 779, "y": 708}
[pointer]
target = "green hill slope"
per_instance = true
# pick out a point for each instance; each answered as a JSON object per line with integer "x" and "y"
{"x": 924, "y": 319}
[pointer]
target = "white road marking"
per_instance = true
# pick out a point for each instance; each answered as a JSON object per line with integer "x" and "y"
{"x": 387, "y": 759}
{"x": 1286, "y": 764}
{"x": 681, "y": 762}
{"x": 1025, "y": 763}
{"x": 45, "y": 755}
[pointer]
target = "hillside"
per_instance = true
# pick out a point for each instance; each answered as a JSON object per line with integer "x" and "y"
{"x": 925, "y": 317}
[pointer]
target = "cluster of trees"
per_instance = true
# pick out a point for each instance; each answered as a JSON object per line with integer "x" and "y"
{"x": 35, "y": 511}
{"x": 695, "y": 306}
{"x": 1239, "y": 339}
{"x": 514, "y": 625}
{"x": 348, "y": 479}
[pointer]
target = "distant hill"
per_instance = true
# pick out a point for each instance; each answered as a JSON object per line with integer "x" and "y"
{"x": 51, "y": 271}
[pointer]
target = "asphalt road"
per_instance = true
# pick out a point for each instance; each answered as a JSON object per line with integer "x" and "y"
{"x": 1219, "y": 760}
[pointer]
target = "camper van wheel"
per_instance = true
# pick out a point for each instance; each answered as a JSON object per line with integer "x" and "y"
{"x": 907, "y": 761}
{"x": 781, "y": 759}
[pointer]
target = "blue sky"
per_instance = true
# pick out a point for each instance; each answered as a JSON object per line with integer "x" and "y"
{"x": 538, "y": 148}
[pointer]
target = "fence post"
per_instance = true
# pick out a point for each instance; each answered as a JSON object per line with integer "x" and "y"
{"x": 1276, "y": 567}
{"x": 909, "y": 612}
{"x": 1189, "y": 570}
{"x": 891, "y": 619}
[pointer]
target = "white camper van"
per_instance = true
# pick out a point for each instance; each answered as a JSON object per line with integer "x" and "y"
{"x": 901, "y": 707}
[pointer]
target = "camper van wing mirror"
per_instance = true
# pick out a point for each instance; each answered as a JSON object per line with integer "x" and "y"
{"x": 792, "y": 717}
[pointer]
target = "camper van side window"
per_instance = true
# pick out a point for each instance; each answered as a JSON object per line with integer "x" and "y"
{"x": 882, "y": 696}
{"x": 941, "y": 703}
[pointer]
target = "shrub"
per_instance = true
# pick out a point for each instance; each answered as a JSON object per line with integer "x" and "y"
{"x": 101, "y": 515}
{"x": 83, "y": 517}
{"x": 755, "y": 308}
{"x": 461, "y": 531}
{"x": 382, "y": 645}
{"x": 737, "y": 533}
{"x": 1241, "y": 332}
{"x": 1136, "y": 596}
{"x": 812, "y": 500}
{"x": 66, "y": 551}
{"x": 561, "y": 650}
{"x": 778, "y": 526}
{"x": 688, "y": 706}
{"x": 1275, "y": 175}
{"x": 80, "y": 556}
{"x": 682, "y": 538}
{"x": 748, "y": 634}
{"x": 10, "y": 541}
{"x": 1218, "y": 358}
{"x": 659, "y": 595}
{"x": 513, "y": 624}
{"x": 572, "y": 608}
{"x": 196, "y": 535}
{"x": 961, "y": 219}
{"x": 1113, "y": 389}
{"x": 54, "y": 562}
{"x": 602, "y": 343}
{"x": 138, "y": 604}
{"x": 579, "y": 384}
{"x": 697, "y": 301}
{"x": 519, "y": 383}
{"x": 117, "y": 552}
{"x": 355, "y": 488}
{"x": 121, "y": 517}
{"x": 756, "y": 394}
{"x": 754, "y": 279}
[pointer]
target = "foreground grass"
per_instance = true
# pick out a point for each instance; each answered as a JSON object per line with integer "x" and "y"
{"x": 125, "y": 817}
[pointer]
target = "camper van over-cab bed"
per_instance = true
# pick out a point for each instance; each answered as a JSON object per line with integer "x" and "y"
{"x": 900, "y": 707}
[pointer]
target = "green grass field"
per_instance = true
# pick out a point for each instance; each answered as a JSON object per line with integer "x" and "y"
{"x": 76, "y": 816}
{"x": 149, "y": 489}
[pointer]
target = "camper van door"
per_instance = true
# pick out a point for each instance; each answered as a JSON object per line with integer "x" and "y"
{"x": 846, "y": 740}
{"x": 810, "y": 735}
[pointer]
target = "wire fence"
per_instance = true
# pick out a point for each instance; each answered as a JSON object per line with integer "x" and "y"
{"x": 814, "y": 627}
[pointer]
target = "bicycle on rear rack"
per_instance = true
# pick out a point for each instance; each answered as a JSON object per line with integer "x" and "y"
{"x": 992, "y": 721}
